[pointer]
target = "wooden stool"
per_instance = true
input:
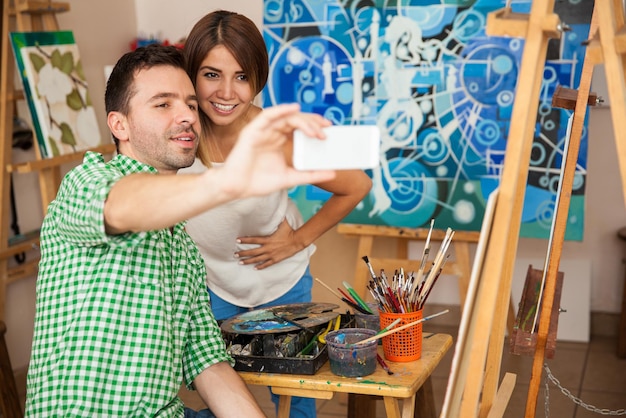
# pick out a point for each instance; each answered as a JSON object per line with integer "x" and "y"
{"x": 10, "y": 404}
{"x": 621, "y": 339}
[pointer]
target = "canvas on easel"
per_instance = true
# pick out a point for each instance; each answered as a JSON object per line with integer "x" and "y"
{"x": 56, "y": 91}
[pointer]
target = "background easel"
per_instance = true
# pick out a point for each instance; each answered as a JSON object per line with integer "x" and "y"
{"x": 362, "y": 406}
{"x": 607, "y": 44}
{"x": 460, "y": 266}
{"x": 24, "y": 16}
{"x": 473, "y": 392}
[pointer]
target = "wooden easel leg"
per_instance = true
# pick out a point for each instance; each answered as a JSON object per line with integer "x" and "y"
{"x": 496, "y": 340}
{"x": 461, "y": 253}
{"x": 610, "y": 21}
{"x": 481, "y": 384}
{"x": 560, "y": 222}
{"x": 6, "y": 138}
{"x": 503, "y": 396}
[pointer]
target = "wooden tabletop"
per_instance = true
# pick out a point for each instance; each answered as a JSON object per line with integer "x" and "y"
{"x": 408, "y": 377}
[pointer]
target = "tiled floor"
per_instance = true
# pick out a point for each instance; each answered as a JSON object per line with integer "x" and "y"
{"x": 591, "y": 372}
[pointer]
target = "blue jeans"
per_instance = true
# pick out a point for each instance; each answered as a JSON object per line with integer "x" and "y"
{"x": 300, "y": 292}
{"x": 203, "y": 413}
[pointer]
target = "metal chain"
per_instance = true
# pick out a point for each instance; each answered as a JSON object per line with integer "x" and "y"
{"x": 547, "y": 397}
{"x": 574, "y": 399}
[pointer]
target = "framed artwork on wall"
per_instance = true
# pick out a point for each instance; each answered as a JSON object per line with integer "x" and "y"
{"x": 56, "y": 90}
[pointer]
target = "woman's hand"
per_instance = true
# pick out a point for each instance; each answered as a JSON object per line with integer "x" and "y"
{"x": 272, "y": 248}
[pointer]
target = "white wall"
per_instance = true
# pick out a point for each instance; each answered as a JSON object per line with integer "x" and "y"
{"x": 165, "y": 19}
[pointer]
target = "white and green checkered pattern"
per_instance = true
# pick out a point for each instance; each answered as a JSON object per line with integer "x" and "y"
{"x": 120, "y": 320}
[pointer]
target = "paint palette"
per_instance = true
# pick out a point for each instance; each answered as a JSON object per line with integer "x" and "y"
{"x": 280, "y": 318}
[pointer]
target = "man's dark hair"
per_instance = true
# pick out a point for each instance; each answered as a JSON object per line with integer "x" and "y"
{"x": 120, "y": 88}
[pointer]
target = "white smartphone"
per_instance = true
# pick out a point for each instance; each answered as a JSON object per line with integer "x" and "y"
{"x": 346, "y": 147}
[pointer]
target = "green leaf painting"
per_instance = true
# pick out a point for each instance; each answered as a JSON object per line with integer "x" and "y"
{"x": 56, "y": 90}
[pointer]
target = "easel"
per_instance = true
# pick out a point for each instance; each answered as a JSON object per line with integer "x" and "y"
{"x": 607, "y": 45}
{"x": 461, "y": 267}
{"x": 474, "y": 391}
{"x": 24, "y": 16}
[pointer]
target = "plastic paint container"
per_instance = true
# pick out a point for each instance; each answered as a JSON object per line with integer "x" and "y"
{"x": 351, "y": 360}
{"x": 369, "y": 321}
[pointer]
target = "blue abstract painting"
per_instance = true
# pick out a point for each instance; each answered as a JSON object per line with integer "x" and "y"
{"x": 442, "y": 93}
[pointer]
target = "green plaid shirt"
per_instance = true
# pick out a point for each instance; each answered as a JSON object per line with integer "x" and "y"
{"x": 121, "y": 320}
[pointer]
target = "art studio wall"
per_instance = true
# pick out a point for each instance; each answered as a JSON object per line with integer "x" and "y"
{"x": 103, "y": 31}
{"x": 605, "y": 212}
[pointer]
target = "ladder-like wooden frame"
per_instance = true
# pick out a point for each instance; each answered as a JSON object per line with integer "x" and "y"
{"x": 607, "y": 44}
{"x": 24, "y": 16}
{"x": 476, "y": 393}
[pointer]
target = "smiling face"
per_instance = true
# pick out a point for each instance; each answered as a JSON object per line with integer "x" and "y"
{"x": 161, "y": 126}
{"x": 223, "y": 89}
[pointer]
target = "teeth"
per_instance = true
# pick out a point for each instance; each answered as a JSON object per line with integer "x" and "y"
{"x": 225, "y": 108}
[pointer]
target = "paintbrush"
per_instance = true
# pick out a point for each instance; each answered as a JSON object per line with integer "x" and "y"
{"x": 356, "y": 306}
{"x": 439, "y": 258}
{"x": 347, "y": 300}
{"x": 369, "y": 266}
{"x": 347, "y": 296}
{"x": 356, "y": 297}
{"x": 383, "y": 364}
{"x": 388, "y": 327}
{"x": 420, "y": 272}
{"x": 400, "y": 328}
{"x": 328, "y": 287}
{"x": 382, "y": 331}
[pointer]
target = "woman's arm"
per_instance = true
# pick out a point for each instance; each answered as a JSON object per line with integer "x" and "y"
{"x": 348, "y": 189}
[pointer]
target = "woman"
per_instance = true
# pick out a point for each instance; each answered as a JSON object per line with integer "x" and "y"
{"x": 257, "y": 250}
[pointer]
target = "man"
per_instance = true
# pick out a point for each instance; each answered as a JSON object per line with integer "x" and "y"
{"x": 123, "y": 313}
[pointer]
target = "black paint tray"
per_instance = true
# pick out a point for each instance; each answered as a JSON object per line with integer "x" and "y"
{"x": 289, "y": 365}
{"x": 265, "y": 357}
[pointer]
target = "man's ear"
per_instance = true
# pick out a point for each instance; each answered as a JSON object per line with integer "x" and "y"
{"x": 118, "y": 125}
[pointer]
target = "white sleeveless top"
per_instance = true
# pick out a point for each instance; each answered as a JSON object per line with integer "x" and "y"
{"x": 215, "y": 232}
